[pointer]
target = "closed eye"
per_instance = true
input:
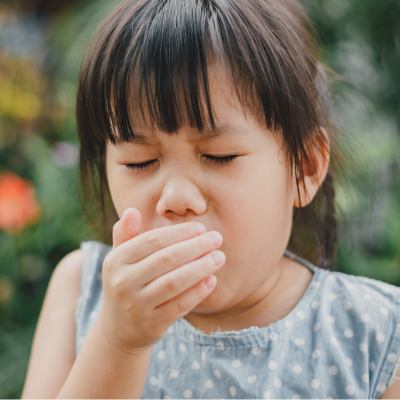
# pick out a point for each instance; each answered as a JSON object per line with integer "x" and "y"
{"x": 212, "y": 159}
{"x": 219, "y": 160}
{"x": 142, "y": 166}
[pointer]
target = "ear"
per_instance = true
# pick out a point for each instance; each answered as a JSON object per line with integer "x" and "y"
{"x": 314, "y": 172}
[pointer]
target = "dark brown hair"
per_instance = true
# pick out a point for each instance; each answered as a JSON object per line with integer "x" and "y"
{"x": 156, "y": 55}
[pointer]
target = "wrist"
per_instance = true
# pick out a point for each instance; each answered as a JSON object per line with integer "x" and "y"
{"x": 119, "y": 349}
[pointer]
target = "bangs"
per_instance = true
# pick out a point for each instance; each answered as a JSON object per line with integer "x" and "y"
{"x": 151, "y": 62}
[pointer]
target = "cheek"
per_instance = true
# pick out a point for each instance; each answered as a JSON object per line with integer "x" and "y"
{"x": 257, "y": 214}
{"x": 126, "y": 193}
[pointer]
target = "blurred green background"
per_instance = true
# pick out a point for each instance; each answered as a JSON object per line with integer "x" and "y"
{"x": 41, "y": 219}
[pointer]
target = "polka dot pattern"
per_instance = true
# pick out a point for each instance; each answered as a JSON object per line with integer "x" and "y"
{"x": 315, "y": 383}
{"x": 195, "y": 365}
{"x": 365, "y": 318}
{"x": 349, "y": 390}
{"x": 208, "y": 384}
{"x": 274, "y": 336}
{"x": 348, "y": 306}
{"x": 182, "y": 347}
{"x": 380, "y": 337}
{"x": 333, "y": 370}
{"x": 334, "y": 341}
{"x": 256, "y": 351}
{"x": 363, "y": 347}
{"x": 337, "y": 341}
{"x": 277, "y": 383}
{"x": 220, "y": 346}
{"x": 349, "y": 362}
{"x": 236, "y": 363}
{"x": 288, "y": 324}
{"x": 154, "y": 380}
{"x": 300, "y": 315}
{"x": 93, "y": 315}
{"x": 381, "y": 387}
{"x": 297, "y": 369}
{"x": 315, "y": 304}
{"x": 272, "y": 365}
{"x": 371, "y": 366}
{"x": 174, "y": 374}
{"x": 348, "y": 333}
{"x": 316, "y": 353}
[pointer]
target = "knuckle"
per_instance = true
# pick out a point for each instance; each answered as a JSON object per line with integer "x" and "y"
{"x": 172, "y": 283}
{"x": 188, "y": 230}
{"x": 169, "y": 259}
{"x": 118, "y": 286}
{"x": 154, "y": 239}
{"x": 108, "y": 263}
{"x": 180, "y": 306}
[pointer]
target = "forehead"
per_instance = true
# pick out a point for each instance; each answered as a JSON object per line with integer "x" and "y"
{"x": 231, "y": 121}
{"x": 220, "y": 131}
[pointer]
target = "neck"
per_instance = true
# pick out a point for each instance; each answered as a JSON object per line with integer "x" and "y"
{"x": 271, "y": 301}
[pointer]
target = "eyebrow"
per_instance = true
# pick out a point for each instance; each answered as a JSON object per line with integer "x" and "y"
{"x": 207, "y": 134}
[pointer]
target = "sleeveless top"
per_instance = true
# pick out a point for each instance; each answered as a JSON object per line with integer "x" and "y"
{"x": 341, "y": 340}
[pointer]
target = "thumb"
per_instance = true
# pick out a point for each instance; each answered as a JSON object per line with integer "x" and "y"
{"x": 127, "y": 227}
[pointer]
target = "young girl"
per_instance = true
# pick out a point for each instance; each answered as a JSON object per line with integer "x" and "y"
{"x": 206, "y": 123}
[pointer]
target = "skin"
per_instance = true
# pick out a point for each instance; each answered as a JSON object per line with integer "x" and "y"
{"x": 248, "y": 201}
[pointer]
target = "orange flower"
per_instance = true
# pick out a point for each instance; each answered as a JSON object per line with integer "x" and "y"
{"x": 18, "y": 204}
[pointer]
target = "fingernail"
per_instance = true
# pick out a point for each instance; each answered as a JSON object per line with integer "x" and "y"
{"x": 216, "y": 238}
{"x": 218, "y": 257}
{"x": 210, "y": 281}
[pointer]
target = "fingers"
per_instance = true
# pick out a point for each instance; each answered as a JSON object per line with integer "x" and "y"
{"x": 150, "y": 242}
{"x": 127, "y": 227}
{"x": 168, "y": 286}
{"x": 185, "y": 302}
{"x": 174, "y": 256}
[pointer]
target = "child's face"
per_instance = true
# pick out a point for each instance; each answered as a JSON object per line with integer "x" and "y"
{"x": 249, "y": 200}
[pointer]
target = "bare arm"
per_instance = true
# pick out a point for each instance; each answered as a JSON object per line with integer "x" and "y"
{"x": 53, "y": 348}
{"x": 99, "y": 371}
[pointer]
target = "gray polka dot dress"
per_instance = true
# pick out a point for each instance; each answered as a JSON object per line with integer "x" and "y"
{"x": 342, "y": 340}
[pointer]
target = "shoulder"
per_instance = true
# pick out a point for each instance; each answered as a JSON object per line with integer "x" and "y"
{"x": 75, "y": 264}
{"x": 70, "y": 266}
{"x": 361, "y": 293}
{"x": 366, "y": 316}
{"x": 370, "y": 303}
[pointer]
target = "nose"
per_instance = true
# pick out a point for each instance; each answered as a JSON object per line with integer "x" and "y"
{"x": 180, "y": 196}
